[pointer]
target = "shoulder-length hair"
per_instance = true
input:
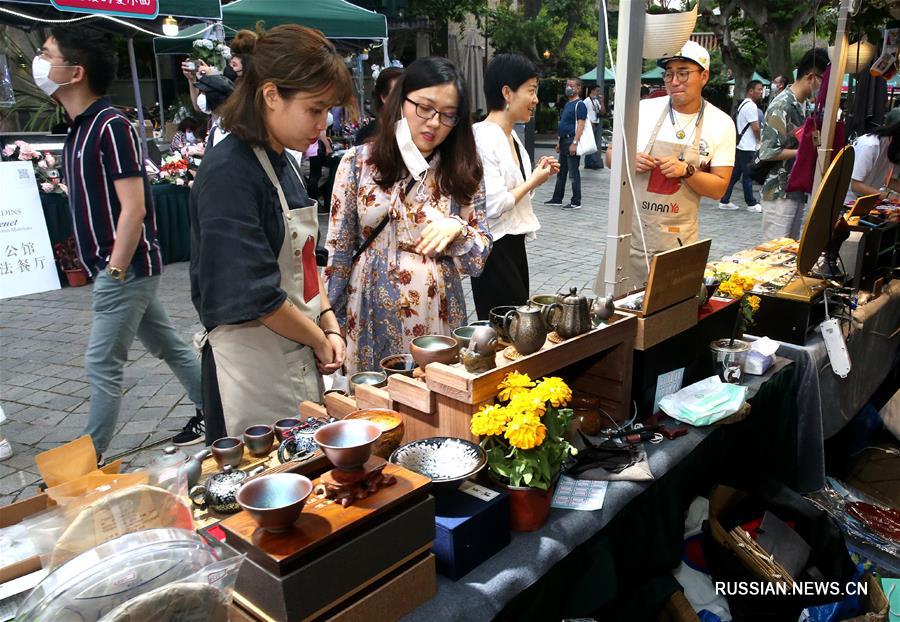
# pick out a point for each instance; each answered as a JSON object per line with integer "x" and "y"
{"x": 293, "y": 58}
{"x": 459, "y": 171}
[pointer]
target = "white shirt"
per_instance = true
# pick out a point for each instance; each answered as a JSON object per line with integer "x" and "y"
{"x": 747, "y": 113}
{"x": 592, "y": 107}
{"x": 871, "y": 165}
{"x": 501, "y": 175}
{"x": 717, "y": 136}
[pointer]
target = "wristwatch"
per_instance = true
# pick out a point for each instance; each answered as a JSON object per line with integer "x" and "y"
{"x": 689, "y": 171}
{"x": 116, "y": 273}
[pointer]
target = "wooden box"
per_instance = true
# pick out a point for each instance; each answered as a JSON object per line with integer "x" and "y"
{"x": 333, "y": 553}
{"x": 469, "y": 530}
{"x": 656, "y": 328}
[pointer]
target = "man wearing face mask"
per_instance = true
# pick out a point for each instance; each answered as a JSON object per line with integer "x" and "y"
{"x": 572, "y": 121}
{"x": 112, "y": 213}
{"x": 212, "y": 92}
{"x": 784, "y": 212}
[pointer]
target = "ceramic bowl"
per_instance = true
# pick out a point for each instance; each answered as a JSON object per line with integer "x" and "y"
{"x": 478, "y": 323}
{"x": 275, "y": 501}
{"x": 434, "y": 349}
{"x": 259, "y": 440}
{"x": 391, "y": 424}
{"x": 370, "y": 378}
{"x": 498, "y": 320}
{"x": 403, "y": 364}
{"x": 228, "y": 451}
{"x": 347, "y": 444}
{"x": 447, "y": 461}
{"x": 284, "y": 426}
{"x": 463, "y": 334}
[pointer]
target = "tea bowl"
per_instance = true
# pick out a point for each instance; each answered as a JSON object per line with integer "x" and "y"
{"x": 347, "y": 443}
{"x": 259, "y": 440}
{"x": 391, "y": 424}
{"x": 275, "y": 501}
{"x": 434, "y": 349}
{"x": 284, "y": 426}
{"x": 498, "y": 320}
{"x": 228, "y": 451}
{"x": 463, "y": 334}
{"x": 403, "y": 364}
{"x": 370, "y": 378}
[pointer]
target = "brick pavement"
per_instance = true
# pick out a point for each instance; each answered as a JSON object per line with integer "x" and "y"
{"x": 44, "y": 393}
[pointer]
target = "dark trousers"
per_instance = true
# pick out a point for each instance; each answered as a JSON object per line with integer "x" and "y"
{"x": 316, "y": 164}
{"x": 568, "y": 165}
{"x": 742, "y": 161}
{"x": 504, "y": 280}
{"x": 594, "y": 160}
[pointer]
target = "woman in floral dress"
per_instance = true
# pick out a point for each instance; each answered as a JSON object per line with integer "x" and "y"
{"x": 407, "y": 219}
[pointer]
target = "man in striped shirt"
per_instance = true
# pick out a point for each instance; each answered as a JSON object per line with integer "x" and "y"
{"x": 112, "y": 212}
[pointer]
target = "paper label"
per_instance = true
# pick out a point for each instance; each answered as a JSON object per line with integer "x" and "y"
{"x": 666, "y": 384}
{"x": 579, "y": 494}
{"x": 479, "y": 492}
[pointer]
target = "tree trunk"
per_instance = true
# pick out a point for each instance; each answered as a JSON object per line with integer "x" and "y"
{"x": 778, "y": 44}
{"x": 531, "y": 9}
{"x": 777, "y": 34}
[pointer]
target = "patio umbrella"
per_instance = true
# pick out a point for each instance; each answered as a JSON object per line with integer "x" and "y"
{"x": 473, "y": 69}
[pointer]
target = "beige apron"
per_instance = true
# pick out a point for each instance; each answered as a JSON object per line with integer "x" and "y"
{"x": 263, "y": 376}
{"x": 668, "y": 208}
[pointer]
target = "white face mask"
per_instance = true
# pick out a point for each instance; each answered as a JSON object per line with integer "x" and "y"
{"x": 40, "y": 71}
{"x": 201, "y": 103}
{"x": 415, "y": 163}
{"x": 189, "y": 135}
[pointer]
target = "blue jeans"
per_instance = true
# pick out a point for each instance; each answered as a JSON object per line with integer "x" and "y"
{"x": 742, "y": 161}
{"x": 568, "y": 165}
{"x": 123, "y": 311}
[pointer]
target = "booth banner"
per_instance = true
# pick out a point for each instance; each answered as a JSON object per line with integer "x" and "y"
{"x": 139, "y": 9}
{"x": 26, "y": 257}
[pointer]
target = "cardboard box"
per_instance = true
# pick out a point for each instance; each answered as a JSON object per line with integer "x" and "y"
{"x": 15, "y": 513}
{"x": 469, "y": 530}
{"x": 658, "y": 327}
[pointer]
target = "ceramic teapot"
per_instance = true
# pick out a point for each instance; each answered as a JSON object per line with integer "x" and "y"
{"x": 575, "y": 318}
{"x": 219, "y": 491}
{"x": 526, "y": 328}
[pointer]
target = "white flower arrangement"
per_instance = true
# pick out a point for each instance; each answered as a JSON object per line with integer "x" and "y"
{"x": 211, "y": 52}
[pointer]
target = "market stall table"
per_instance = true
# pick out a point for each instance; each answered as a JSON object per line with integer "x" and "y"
{"x": 581, "y": 560}
{"x": 172, "y": 220}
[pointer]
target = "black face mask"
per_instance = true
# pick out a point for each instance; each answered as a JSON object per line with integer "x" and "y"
{"x": 230, "y": 73}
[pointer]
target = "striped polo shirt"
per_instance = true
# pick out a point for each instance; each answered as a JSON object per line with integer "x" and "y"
{"x": 102, "y": 147}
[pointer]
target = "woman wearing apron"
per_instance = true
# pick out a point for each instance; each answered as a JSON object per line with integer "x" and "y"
{"x": 686, "y": 153}
{"x": 270, "y": 332}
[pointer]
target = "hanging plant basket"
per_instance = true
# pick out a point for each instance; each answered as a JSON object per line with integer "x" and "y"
{"x": 664, "y": 34}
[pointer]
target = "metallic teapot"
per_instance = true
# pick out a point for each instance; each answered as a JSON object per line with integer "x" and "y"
{"x": 526, "y": 328}
{"x": 602, "y": 309}
{"x": 575, "y": 318}
{"x": 220, "y": 490}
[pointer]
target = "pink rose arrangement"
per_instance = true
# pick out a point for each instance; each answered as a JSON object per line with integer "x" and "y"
{"x": 46, "y": 166}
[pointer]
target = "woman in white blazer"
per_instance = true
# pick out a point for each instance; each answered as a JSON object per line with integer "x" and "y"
{"x": 510, "y": 88}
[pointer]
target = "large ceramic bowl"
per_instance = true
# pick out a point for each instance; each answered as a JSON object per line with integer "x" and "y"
{"x": 498, "y": 320}
{"x": 347, "y": 443}
{"x": 391, "y": 424}
{"x": 447, "y": 461}
{"x": 369, "y": 378}
{"x": 434, "y": 349}
{"x": 275, "y": 501}
{"x": 403, "y": 364}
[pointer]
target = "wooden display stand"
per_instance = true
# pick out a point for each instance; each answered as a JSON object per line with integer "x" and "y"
{"x": 598, "y": 362}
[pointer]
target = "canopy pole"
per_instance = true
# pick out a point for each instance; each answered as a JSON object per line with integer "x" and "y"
{"x": 833, "y": 96}
{"x": 387, "y": 57}
{"x": 159, "y": 94}
{"x": 624, "y": 143}
{"x": 137, "y": 98}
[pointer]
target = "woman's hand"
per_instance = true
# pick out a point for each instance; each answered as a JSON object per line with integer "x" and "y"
{"x": 438, "y": 235}
{"x": 338, "y": 349}
{"x": 546, "y": 167}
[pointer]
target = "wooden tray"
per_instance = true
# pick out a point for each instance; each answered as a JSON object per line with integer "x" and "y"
{"x": 322, "y": 522}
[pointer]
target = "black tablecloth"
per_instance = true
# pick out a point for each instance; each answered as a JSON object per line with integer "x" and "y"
{"x": 172, "y": 220}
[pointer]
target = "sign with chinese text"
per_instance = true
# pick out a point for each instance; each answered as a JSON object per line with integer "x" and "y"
{"x": 26, "y": 257}
{"x": 140, "y": 9}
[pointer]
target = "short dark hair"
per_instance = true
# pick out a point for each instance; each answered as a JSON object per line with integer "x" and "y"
{"x": 816, "y": 58}
{"x": 90, "y": 49}
{"x": 752, "y": 85}
{"x": 383, "y": 83}
{"x": 295, "y": 59}
{"x": 459, "y": 171}
{"x": 576, "y": 81}
{"x": 512, "y": 70}
{"x": 188, "y": 123}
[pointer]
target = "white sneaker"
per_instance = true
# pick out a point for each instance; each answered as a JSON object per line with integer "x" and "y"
{"x": 728, "y": 206}
{"x": 755, "y": 208}
{"x": 5, "y": 449}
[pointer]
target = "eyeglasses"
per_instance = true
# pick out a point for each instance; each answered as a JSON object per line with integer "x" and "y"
{"x": 682, "y": 74}
{"x": 447, "y": 119}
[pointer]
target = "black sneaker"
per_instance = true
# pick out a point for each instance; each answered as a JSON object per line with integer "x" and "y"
{"x": 194, "y": 432}
{"x": 572, "y": 206}
{"x": 553, "y": 202}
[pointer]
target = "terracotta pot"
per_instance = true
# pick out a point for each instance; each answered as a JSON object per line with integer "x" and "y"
{"x": 528, "y": 507}
{"x": 76, "y": 277}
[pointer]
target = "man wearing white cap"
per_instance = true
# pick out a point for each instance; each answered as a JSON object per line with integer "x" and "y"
{"x": 685, "y": 151}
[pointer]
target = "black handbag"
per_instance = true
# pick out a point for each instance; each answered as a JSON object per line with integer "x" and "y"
{"x": 760, "y": 169}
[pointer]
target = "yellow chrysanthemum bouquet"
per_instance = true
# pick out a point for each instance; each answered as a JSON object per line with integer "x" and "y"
{"x": 737, "y": 286}
{"x": 523, "y": 435}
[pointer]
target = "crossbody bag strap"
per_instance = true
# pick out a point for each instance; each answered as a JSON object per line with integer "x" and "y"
{"x": 377, "y": 230}
{"x": 738, "y": 114}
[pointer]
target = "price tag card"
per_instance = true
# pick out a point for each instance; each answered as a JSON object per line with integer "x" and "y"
{"x": 479, "y": 492}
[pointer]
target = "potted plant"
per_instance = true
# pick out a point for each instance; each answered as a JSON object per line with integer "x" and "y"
{"x": 729, "y": 354}
{"x": 668, "y": 25}
{"x": 66, "y": 255}
{"x": 523, "y": 436}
